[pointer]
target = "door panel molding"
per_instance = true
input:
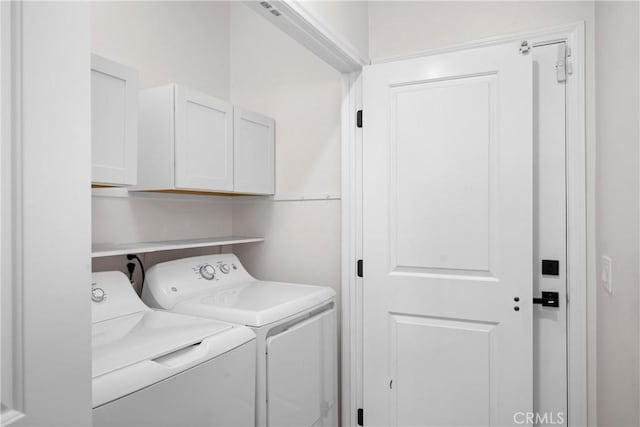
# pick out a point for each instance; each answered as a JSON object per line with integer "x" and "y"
{"x": 475, "y": 187}
{"x": 455, "y": 366}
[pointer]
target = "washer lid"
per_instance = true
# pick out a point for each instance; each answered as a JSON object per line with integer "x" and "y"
{"x": 256, "y": 303}
{"x": 123, "y": 341}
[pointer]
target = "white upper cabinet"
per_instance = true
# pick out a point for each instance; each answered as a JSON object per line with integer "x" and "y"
{"x": 186, "y": 141}
{"x": 253, "y": 148}
{"x": 114, "y": 122}
{"x": 190, "y": 141}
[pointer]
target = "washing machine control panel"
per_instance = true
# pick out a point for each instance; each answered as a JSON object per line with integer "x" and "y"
{"x": 113, "y": 296}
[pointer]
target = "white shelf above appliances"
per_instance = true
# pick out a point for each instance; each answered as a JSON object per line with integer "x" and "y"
{"x": 112, "y": 249}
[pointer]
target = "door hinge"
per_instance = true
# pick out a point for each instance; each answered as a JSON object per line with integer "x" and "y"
{"x": 524, "y": 47}
{"x": 359, "y": 118}
{"x": 359, "y": 268}
{"x": 360, "y": 417}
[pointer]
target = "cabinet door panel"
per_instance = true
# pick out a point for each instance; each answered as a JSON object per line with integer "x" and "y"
{"x": 254, "y": 141}
{"x": 203, "y": 142}
{"x": 114, "y": 122}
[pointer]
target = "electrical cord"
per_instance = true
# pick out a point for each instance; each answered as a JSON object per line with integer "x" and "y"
{"x": 132, "y": 257}
{"x": 131, "y": 267}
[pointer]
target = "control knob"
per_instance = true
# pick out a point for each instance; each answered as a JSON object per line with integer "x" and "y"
{"x": 97, "y": 294}
{"x": 207, "y": 272}
{"x": 225, "y": 268}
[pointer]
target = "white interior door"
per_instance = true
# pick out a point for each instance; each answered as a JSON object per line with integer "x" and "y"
{"x": 447, "y": 207}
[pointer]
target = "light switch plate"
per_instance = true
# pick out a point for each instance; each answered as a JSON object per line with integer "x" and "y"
{"x": 606, "y": 270}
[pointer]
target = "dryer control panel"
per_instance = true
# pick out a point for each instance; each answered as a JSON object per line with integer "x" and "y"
{"x": 170, "y": 282}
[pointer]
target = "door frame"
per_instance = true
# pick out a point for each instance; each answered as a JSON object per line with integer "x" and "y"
{"x": 41, "y": 43}
{"x": 573, "y": 35}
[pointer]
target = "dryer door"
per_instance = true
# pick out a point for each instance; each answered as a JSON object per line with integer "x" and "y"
{"x": 302, "y": 374}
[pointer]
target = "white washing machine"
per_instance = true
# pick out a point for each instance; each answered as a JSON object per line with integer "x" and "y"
{"x": 295, "y": 325}
{"x": 153, "y": 368}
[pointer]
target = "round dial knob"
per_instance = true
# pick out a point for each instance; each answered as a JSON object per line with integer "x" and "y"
{"x": 207, "y": 271}
{"x": 97, "y": 294}
{"x": 225, "y": 268}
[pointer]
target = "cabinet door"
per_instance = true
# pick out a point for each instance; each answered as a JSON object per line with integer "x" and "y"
{"x": 203, "y": 142}
{"x": 253, "y": 146}
{"x": 114, "y": 122}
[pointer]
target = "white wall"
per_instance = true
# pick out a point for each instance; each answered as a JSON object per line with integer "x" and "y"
{"x": 274, "y": 75}
{"x": 181, "y": 42}
{"x": 159, "y": 217}
{"x": 347, "y": 19}
{"x": 617, "y": 48}
{"x": 167, "y": 41}
{"x": 400, "y": 28}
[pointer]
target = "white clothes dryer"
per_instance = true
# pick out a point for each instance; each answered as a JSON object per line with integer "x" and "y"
{"x": 153, "y": 368}
{"x": 295, "y": 325}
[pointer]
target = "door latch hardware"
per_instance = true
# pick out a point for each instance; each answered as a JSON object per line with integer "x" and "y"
{"x": 551, "y": 267}
{"x": 549, "y": 299}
